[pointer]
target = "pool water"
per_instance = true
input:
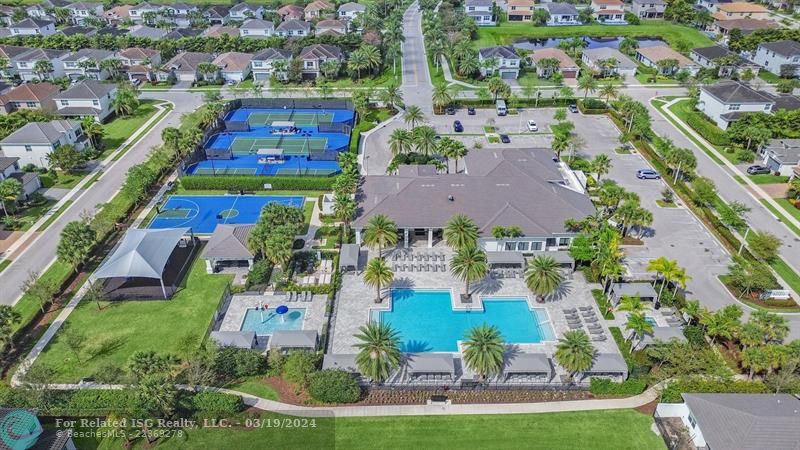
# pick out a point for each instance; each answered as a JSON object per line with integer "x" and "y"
{"x": 591, "y": 42}
{"x": 426, "y": 321}
{"x": 271, "y": 322}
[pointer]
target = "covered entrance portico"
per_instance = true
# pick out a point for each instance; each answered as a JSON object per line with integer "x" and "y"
{"x": 413, "y": 237}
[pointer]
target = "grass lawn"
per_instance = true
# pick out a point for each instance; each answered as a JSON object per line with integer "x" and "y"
{"x": 788, "y": 208}
{"x": 767, "y": 76}
{"x": 645, "y": 78}
{"x": 122, "y": 328}
{"x": 254, "y": 386}
{"x": 61, "y": 179}
{"x": 785, "y": 271}
{"x": 784, "y": 202}
{"x": 509, "y": 32}
{"x": 29, "y": 216}
{"x": 121, "y": 128}
{"x": 612, "y": 429}
{"x": 768, "y": 179}
{"x": 682, "y": 110}
{"x": 27, "y": 306}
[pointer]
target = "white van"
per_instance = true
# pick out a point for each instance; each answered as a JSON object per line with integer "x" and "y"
{"x": 500, "y": 106}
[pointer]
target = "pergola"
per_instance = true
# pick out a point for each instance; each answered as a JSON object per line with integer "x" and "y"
{"x": 527, "y": 364}
{"x": 143, "y": 253}
{"x": 505, "y": 259}
{"x": 348, "y": 257}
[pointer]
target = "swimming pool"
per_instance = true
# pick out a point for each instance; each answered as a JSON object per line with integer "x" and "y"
{"x": 426, "y": 321}
{"x": 267, "y": 322}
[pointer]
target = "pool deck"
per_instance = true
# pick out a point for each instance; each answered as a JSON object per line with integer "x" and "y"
{"x": 240, "y": 303}
{"x": 355, "y": 301}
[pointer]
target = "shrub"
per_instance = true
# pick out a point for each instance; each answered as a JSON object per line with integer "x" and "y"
{"x": 604, "y": 387}
{"x": 259, "y": 274}
{"x": 299, "y": 366}
{"x": 232, "y": 362}
{"x": 694, "y": 334}
{"x": 707, "y": 129}
{"x": 275, "y": 360}
{"x": 672, "y": 393}
{"x": 592, "y": 106}
{"x": 256, "y": 183}
{"x": 217, "y": 403}
{"x": 334, "y": 386}
{"x": 745, "y": 156}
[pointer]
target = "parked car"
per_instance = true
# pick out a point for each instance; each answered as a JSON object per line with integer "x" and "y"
{"x": 471, "y": 111}
{"x": 758, "y": 169}
{"x": 505, "y": 139}
{"x": 450, "y": 110}
{"x": 647, "y": 174}
{"x": 457, "y": 127}
{"x": 532, "y": 126}
{"x": 573, "y": 108}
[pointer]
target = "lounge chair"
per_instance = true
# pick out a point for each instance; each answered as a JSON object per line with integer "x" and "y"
{"x": 443, "y": 267}
{"x": 574, "y": 321}
{"x": 411, "y": 267}
{"x": 572, "y": 316}
{"x": 590, "y": 319}
{"x": 585, "y": 308}
{"x": 574, "y": 326}
{"x": 596, "y": 331}
{"x": 435, "y": 267}
{"x": 290, "y": 298}
{"x": 569, "y": 310}
{"x": 594, "y": 326}
{"x": 599, "y": 338}
{"x": 587, "y": 313}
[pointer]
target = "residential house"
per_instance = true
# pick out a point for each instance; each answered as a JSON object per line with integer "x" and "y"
{"x": 185, "y": 66}
{"x": 781, "y": 155}
{"x": 649, "y": 9}
{"x": 262, "y": 64}
{"x": 314, "y": 56}
{"x": 142, "y": 11}
{"x": 28, "y": 70}
{"x": 78, "y": 29}
{"x": 735, "y": 421}
{"x": 35, "y": 140}
{"x": 293, "y": 28}
{"x": 112, "y": 31}
{"x": 29, "y": 96}
{"x": 139, "y": 63}
{"x": 87, "y": 98}
{"x": 38, "y": 11}
{"x": 257, "y": 28}
{"x": 481, "y": 11}
{"x": 33, "y": 27}
{"x": 233, "y": 66}
{"x": 566, "y": 65}
{"x": 30, "y": 181}
{"x": 519, "y": 10}
{"x": 7, "y": 14}
{"x": 180, "y": 33}
{"x": 118, "y": 14}
{"x": 711, "y": 5}
{"x": 87, "y": 63}
{"x": 179, "y": 14}
{"x": 144, "y": 31}
{"x": 562, "y": 14}
{"x": 651, "y": 56}
{"x": 244, "y": 11}
{"x": 331, "y": 27}
{"x": 779, "y": 57}
{"x": 10, "y": 53}
{"x": 741, "y": 10}
{"x": 609, "y": 12}
{"x": 216, "y": 31}
{"x": 350, "y": 10}
{"x": 79, "y": 11}
{"x": 217, "y": 14}
{"x": 725, "y": 101}
{"x": 317, "y": 9}
{"x": 609, "y": 62}
{"x": 502, "y": 60}
{"x": 715, "y": 55}
{"x": 289, "y": 12}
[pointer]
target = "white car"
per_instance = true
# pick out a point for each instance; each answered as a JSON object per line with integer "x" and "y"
{"x": 532, "y": 126}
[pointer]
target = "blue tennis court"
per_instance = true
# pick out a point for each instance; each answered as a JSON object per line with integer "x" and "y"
{"x": 250, "y": 165}
{"x": 204, "y": 212}
{"x": 302, "y": 117}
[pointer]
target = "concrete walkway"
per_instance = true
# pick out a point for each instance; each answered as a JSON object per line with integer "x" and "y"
{"x": 448, "y": 74}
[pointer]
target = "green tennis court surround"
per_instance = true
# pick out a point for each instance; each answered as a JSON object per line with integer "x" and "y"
{"x": 300, "y": 119}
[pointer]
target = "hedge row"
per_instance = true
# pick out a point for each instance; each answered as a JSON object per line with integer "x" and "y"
{"x": 518, "y": 103}
{"x": 256, "y": 183}
{"x": 606, "y": 387}
{"x": 592, "y": 106}
{"x": 707, "y": 129}
{"x": 217, "y": 403}
{"x": 672, "y": 393}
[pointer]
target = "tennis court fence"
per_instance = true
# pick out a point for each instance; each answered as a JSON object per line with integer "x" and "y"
{"x": 288, "y": 103}
{"x": 337, "y": 127}
{"x": 237, "y": 125}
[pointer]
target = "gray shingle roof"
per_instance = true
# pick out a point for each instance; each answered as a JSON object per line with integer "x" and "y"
{"x": 527, "y": 363}
{"x": 6, "y": 162}
{"x": 713, "y": 52}
{"x": 257, "y": 24}
{"x": 217, "y": 11}
{"x": 503, "y": 51}
{"x": 188, "y": 61}
{"x": 90, "y": 53}
{"x": 272, "y": 53}
{"x": 32, "y": 23}
{"x": 147, "y": 32}
{"x": 785, "y": 48}
{"x": 476, "y": 3}
{"x": 735, "y": 92}
{"x": 650, "y": 2}
{"x": 238, "y": 339}
{"x": 561, "y": 9}
{"x": 293, "y": 25}
{"x": 747, "y": 421}
{"x": 320, "y": 51}
{"x": 351, "y": 6}
{"x": 36, "y": 54}
{"x": 229, "y": 242}
{"x": 242, "y": 7}
{"x": 786, "y": 151}
{"x": 87, "y": 89}
{"x": 294, "y": 339}
{"x": 40, "y": 132}
{"x": 599, "y": 54}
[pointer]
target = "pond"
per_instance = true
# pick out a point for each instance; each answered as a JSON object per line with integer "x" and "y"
{"x": 592, "y": 42}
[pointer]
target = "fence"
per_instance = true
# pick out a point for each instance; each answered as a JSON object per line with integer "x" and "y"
{"x": 235, "y": 125}
{"x": 456, "y": 386}
{"x": 288, "y": 103}
{"x": 337, "y": 127}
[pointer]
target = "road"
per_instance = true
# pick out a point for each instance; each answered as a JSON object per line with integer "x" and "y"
{"x": 416, "y": 85}
{"x": 40, "y": 253}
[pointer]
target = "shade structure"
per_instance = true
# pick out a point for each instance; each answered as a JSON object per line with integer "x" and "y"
{"x": 238, "y": 339}
{"x": 527, "y": 363}
{"x": 348, "y": 257}
{"x": 431, "y": 363}
{"x": 294, "y": 339}
{"x": 346, "y": 362}
{"x": 510, "y": 258}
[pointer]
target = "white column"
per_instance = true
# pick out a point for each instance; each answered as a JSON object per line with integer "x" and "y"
{"x": 430, "y": 237}
{"x": 209, "y": 266}
{"x": 250, "y": 264}
{"x": 405, "y": 237}
{"x": 358, "y": 237}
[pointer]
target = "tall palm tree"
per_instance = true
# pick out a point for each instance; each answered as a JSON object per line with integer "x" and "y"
{"x": 661, "y": 266}
{"x": 357, "y": 62}
{"x": 413, "y": 116}
{"x": 543, "y": 276}
{"x": 400, "y": 141}
{"x": 344, "y": 208}
{"x": 441, "y": 96}
{"x": 378, "y": 350}
{"x": 468, "y": 265}
{"x": 560, "y": 143}
{"x": 693, "y": 310}
{"x": 452, "y": 149}
{"x": 93, "y": 131}
{"x": 587, "y": 83}
{"x": 631, "y": 303}
{"x": 377, "y": 274}
{"x": 460, "y": 232}
{"x": 392, "y": 96}
{"x": 601, "y": 164}
{"x": 372, "y": 57}
{"x": 609, "y": 91}
{"x": 380, "y": 232}
{"x": 638, "y": 323}
{"x": 425, "y": 140}
{"x": 575, "y": 352}
{"x": 484, "y": 350}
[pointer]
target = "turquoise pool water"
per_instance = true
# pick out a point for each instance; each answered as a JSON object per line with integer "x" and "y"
{"x": 266, "y": 322}
{"x": 427, "y": 323}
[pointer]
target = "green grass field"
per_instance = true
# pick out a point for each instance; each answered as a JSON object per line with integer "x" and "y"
{"x": 598, "y": 430}
{"x": 509, "y": 32}
{"x": 123, "y": 327}
{"x": 121, "y": 128}
{"x": 767, "y": 179}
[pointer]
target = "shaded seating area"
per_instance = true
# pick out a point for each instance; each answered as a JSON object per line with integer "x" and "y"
{"x": 348, "y": 257}
{"x": 562, "y": 258}
{"x": 227, "y": 247}
{"x": 147, "y": 264}
{"x": 505, "y": 264}
{"x": 644, "y": 290}
{"x": 430, "y": 367}
{"x": 661, "y": 334}
{"x": 293, "y": 340}
{"x": 405, "y": 260}
{"x": 607, "y": 365}
{"x": 527, "y": 368}
{"x": 238, "y": 339}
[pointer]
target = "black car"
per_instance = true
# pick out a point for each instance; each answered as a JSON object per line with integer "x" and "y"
{"x": 573, "y": 108}
{"x": 457, "y": 127}
{"x": 758, "y": 170}
{"x": 450, "y": 111}
{"x": 471, "y": 111}
{"x": 505, "y": 139}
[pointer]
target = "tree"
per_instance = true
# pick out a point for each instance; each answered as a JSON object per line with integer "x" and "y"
{"x": 278, "y": 246}
{"x": 498, "y": 88}
{"x": 764, "y": 245}
{"x": 425, "y": 140}
{"x": 468, "y": 265}
{"x": 638, "y": 324}
{"x": 93, "y": 131}
{"x": 631, "y": 303}
{"x": 378, "y": 350}
{"x": 575, "y": 352}
{"x": 601, "y": 164}
{"x": 356, "y": 63}
{"x": 587, "y": 83}
{"x": 76, "y": 243}
{"x": 142, "y": 364}
{"x": 65, "y": 157}
{"x": 42, "y": 290}
{"x": 755, "y": 359}
{"x": 377, "y": 275}
{"x": 609, "y": 91}
{"x": 543, "y": 276}
{"x": 773, "y": 328}
{"x": 75, "y": 341}
{"x": 380, "y": 232}
{"x": 400, "y": 141}
{"x": 9, "y": 318}
{"x": 441, "y": 97}
{"x": 43, "y": 68}
{"x": 392, "y": 96}
{"x": 460, "y": 232}
{"x": 126, "y": 101}
{"x": 484, "y": 350}
{"x": 786, "y": 86}
{"x": 158, "y": 395}
{"x": 693, "y": 310}
{"x": 413, "y": 116}
{"x": 732, "y": 215}
{"x": 705, "y": 189}
{"x": 344, "y": 209}
{"x": 10, "y": 190}
{"x": 749, "y": 277}
{"x": 720, "y": 325}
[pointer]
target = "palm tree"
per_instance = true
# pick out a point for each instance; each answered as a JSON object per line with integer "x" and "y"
{"x": 587, "y": 83}
{"x": 93, "y": 131}
{"x": 637, "y": 322}
{"x": 755, "y": 359}
{"x": 441, "y": 96}
{"x": 460, "y": 232}
{"x": 371, "y": 56}
{"x": 378, "y": 350}
{"x": 425, "y": 140}
{"x": 661, "y": 266}
{"x": 693, "y": 310}
{"x": 468, "y": 265}
{"x": 601, "y": 164}
{"x": 484, "y": 350}
{"x": 413, "y": 116}
{"x": 575, "y": 352}
{"x": 344, "y": 208}
{"x": 452, "y": 149}
{"x": 400, "y": 141}
{"x": 357, "y": 62}
{"x": 377, "y": 274}
{"x": 560, "y": 143}
{"x": 543, "y": 276}
{"x": 631, "y": 303}
{"x": 392, "y": 96}
{"x": 380, "y": 232}
{"x": 42, "y": 68}
{"x": 609, "y": 91}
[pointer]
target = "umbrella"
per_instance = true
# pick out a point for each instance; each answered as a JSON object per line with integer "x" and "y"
{"x": 281, "y": 310}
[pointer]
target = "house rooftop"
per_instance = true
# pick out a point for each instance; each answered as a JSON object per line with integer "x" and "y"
{"x": 32, "y": 23}
{"x": 219, "y": 30}
{"x": 564, "y": 61}
{"x": 6, "y": 162}
{"x": 784, "y": 48}
{"x": 40, "y": 132}
{"x": 650, "y": 2}
{"x": 230, "y": 242}
{"x": 786, "y": 151}
{"x": 12, "y": 51}
{"x": 318, "y": 51}
{"x": 257, "y": 24}
{"x": 481, "y": 3}
{"x": 599, "y": 54}
{"x": 736, "y": 92}
{"x": 352, "y": 7}
{"x": 233, "y": 61}
{"x": 138, "y": 53}
{"x": 561, "y": 9}
{"x": 144, "y": 31}
{"x": 713, "y": 52}
{"x": 272, "y": 53}
{"x": 293, "y": 25}
{"x": 501, "y": 52}
{"x": 36, "y": 54}
{"x": 662, "y": 52}
{"x": 89, "y": 53}
{"x": 746, "y": 24}
{"x": 742, "y": 7}
{"x": 27, "y": 92}
{"x": 188, "y": 61}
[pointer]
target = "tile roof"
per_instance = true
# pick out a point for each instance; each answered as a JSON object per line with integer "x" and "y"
{"x": 746, "y": 24}
{"x": 188, "y": 61}
{"x": 138, "y": 53}
{"x": 257, "y": 24}
{"x": 662, "y": 52}
{"x": 352, "y": 6}
{"x": 319, "y": 5}
{"x": 565, "y": 62}
{"x": 293, "y": 25}
{"x": 31, "y": 92}
{"x": 119, "y": 11}
{"x": 219, "y": 30}
{"x": 741, "y": 7}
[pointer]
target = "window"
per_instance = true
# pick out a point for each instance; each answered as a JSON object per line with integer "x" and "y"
{"x": 536, "y": 246}
{"x": 523, "y": 246}
{"x": 96, "y": 102}
{"x": 28, "y": 148}
{"x": 309, "y": 64}
{"x": 64, "y": 102}
{"x": 245, "y": 31}
{"x": 511, "y": 246}
{"x": 31, "y": 104}
{"x": 734, "y": 107}
{"x": 563, "y": 241}
{"x": 551, "y": 242}
{"x": 767, "y": 107}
